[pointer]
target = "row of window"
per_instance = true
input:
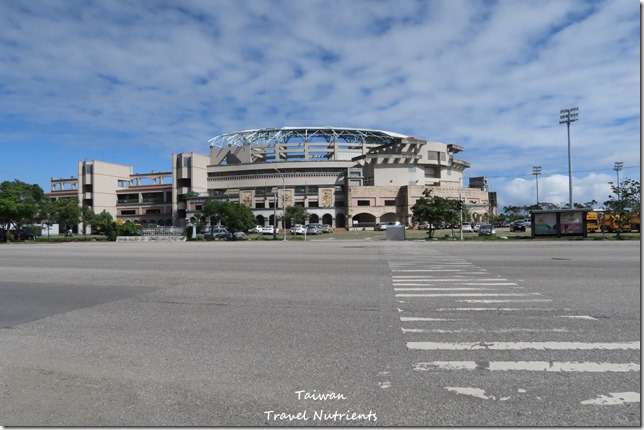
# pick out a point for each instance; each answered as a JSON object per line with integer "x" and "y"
{"x": 134, "y": 211}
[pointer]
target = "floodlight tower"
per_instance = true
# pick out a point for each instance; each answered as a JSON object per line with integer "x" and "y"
{"x": 566, "y": 116}
{"x": 619, "y": 165}
{"x": 536, "y": 171}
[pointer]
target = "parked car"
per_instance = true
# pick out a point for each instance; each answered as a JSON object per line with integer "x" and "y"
{"x": 326, "y": 228}
{"x": 486, "y": 230}
{"x": 476, "y": 226}
{"x": 298, "y": 229}
{"x": 517, "y": 226}
{"x": 424, "y": 226}
{"x": 467, "y": 228}
{"x": 256, "y": 229}
{"x": 239, "y": 235}
{"x": 383, "y": 225}
{"x": 218, "y": 233}
{"x": 313, "y": 229}
{"x": 269, "y": 229}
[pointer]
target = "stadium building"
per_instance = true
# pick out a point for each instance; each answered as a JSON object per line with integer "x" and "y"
{"x": 345, "y": 177}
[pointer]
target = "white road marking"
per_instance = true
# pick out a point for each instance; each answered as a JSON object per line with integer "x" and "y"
{"x": 614, "y": 399}
{"x": 480, "y": 330}
{"x": 494, "y": 309}
{"x": 581, "y": 317}
{"x": 467, "y": 294}
{"x": 433, "y": 279}
{"x": 427, "y": 270}
{"x": 426, "y": 319}
{"x": 503, "y": 301}
{"x": 533, "y": 366}
{"x": 489, "y": 283}
{"x": 469, "y": 346}
{"x": 475, "y": 392}
{"x": 444, "y": 289}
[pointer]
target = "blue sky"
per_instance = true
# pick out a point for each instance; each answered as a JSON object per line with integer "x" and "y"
{"x": 132, "y": 82}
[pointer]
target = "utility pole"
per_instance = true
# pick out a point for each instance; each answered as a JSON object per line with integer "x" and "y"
{"x": 566, "y": 116}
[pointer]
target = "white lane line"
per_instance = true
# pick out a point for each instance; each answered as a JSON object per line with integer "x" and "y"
{"x": 503, "y": 301}
{"x": 480, "y": 330}
{"x": 430, "y": 279}
{"x": 469, "y": 294}
{"x": 495, "y": 309}
{"x": 533, "y": 366}
{"x": 445, "y": 289}
{"x": 427, "y": 270}
{"x": 426, "y": 319}
{"x": 469, "y": 346}
{"x": 581, "y": 317}
{"x": 489, "y": 283}
{"x": 614, "y": 399}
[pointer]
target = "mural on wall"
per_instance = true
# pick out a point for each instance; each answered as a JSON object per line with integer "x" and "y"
{"x": 247, "y": 199}
{"x": 286, "y": 198}
{"x": 327, "y": 198}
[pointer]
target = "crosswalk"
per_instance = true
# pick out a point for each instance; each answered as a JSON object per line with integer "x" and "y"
{"x": 458, "y": 318}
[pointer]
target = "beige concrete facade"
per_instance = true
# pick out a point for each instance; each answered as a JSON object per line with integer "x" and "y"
{"x": 345, "y": 185}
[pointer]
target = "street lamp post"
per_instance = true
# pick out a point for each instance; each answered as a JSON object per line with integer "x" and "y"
{"x": 536, "y": 171}
{"x": 283, "y": 201}
{"x": 566, "y": 116}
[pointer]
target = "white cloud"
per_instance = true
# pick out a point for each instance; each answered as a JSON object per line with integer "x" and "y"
{"x": 167, "y": 76}
{"x": 555, "y": 189}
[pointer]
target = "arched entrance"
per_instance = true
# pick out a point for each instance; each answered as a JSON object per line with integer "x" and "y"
{"x": 327, "y": 219}
{"x": 340, "y": 221}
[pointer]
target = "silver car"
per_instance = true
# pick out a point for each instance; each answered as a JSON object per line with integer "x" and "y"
{"x": 487, "y": 230}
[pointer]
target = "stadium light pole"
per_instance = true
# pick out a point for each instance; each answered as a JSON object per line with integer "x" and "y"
{"x": 619, "y": 165}
{"x": 536, "y": 171}
{"x": 566, "y": 116}
{"x": 283, "y": 201}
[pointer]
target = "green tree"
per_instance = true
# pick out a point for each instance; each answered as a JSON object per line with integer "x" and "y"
{"x": 435, "y": 211}
{"x": 104, "y": 224}
{"x": 87, "y": 217}
{"x": 296, "y": 214}
{"x": 45, "y": 213}
{"x": 624, "y": 203}
{"x": 19, "y": 203}
{"x": 67, "y": 212}
{"x": 234, "y": 216}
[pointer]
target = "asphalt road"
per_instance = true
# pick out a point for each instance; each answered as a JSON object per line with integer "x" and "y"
{"x": 346, "y": 333}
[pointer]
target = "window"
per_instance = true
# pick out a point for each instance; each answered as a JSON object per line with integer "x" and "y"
{"x": 260, "y": 205}
{"x": 443, "y": 156}
{"x": 88, "y": 169}
{"x": 411, "y": 169}
{"x": 432, "y": 155}
{"x": 186, "y": 161}
{"x": 314, "y": 204}
{"x": 153, "y": 211}
{"x": 390, "y": 203}
{"x": 128, "y": 212}
{"x": 364, "y": 203}
{"x": 430, "y": 172}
